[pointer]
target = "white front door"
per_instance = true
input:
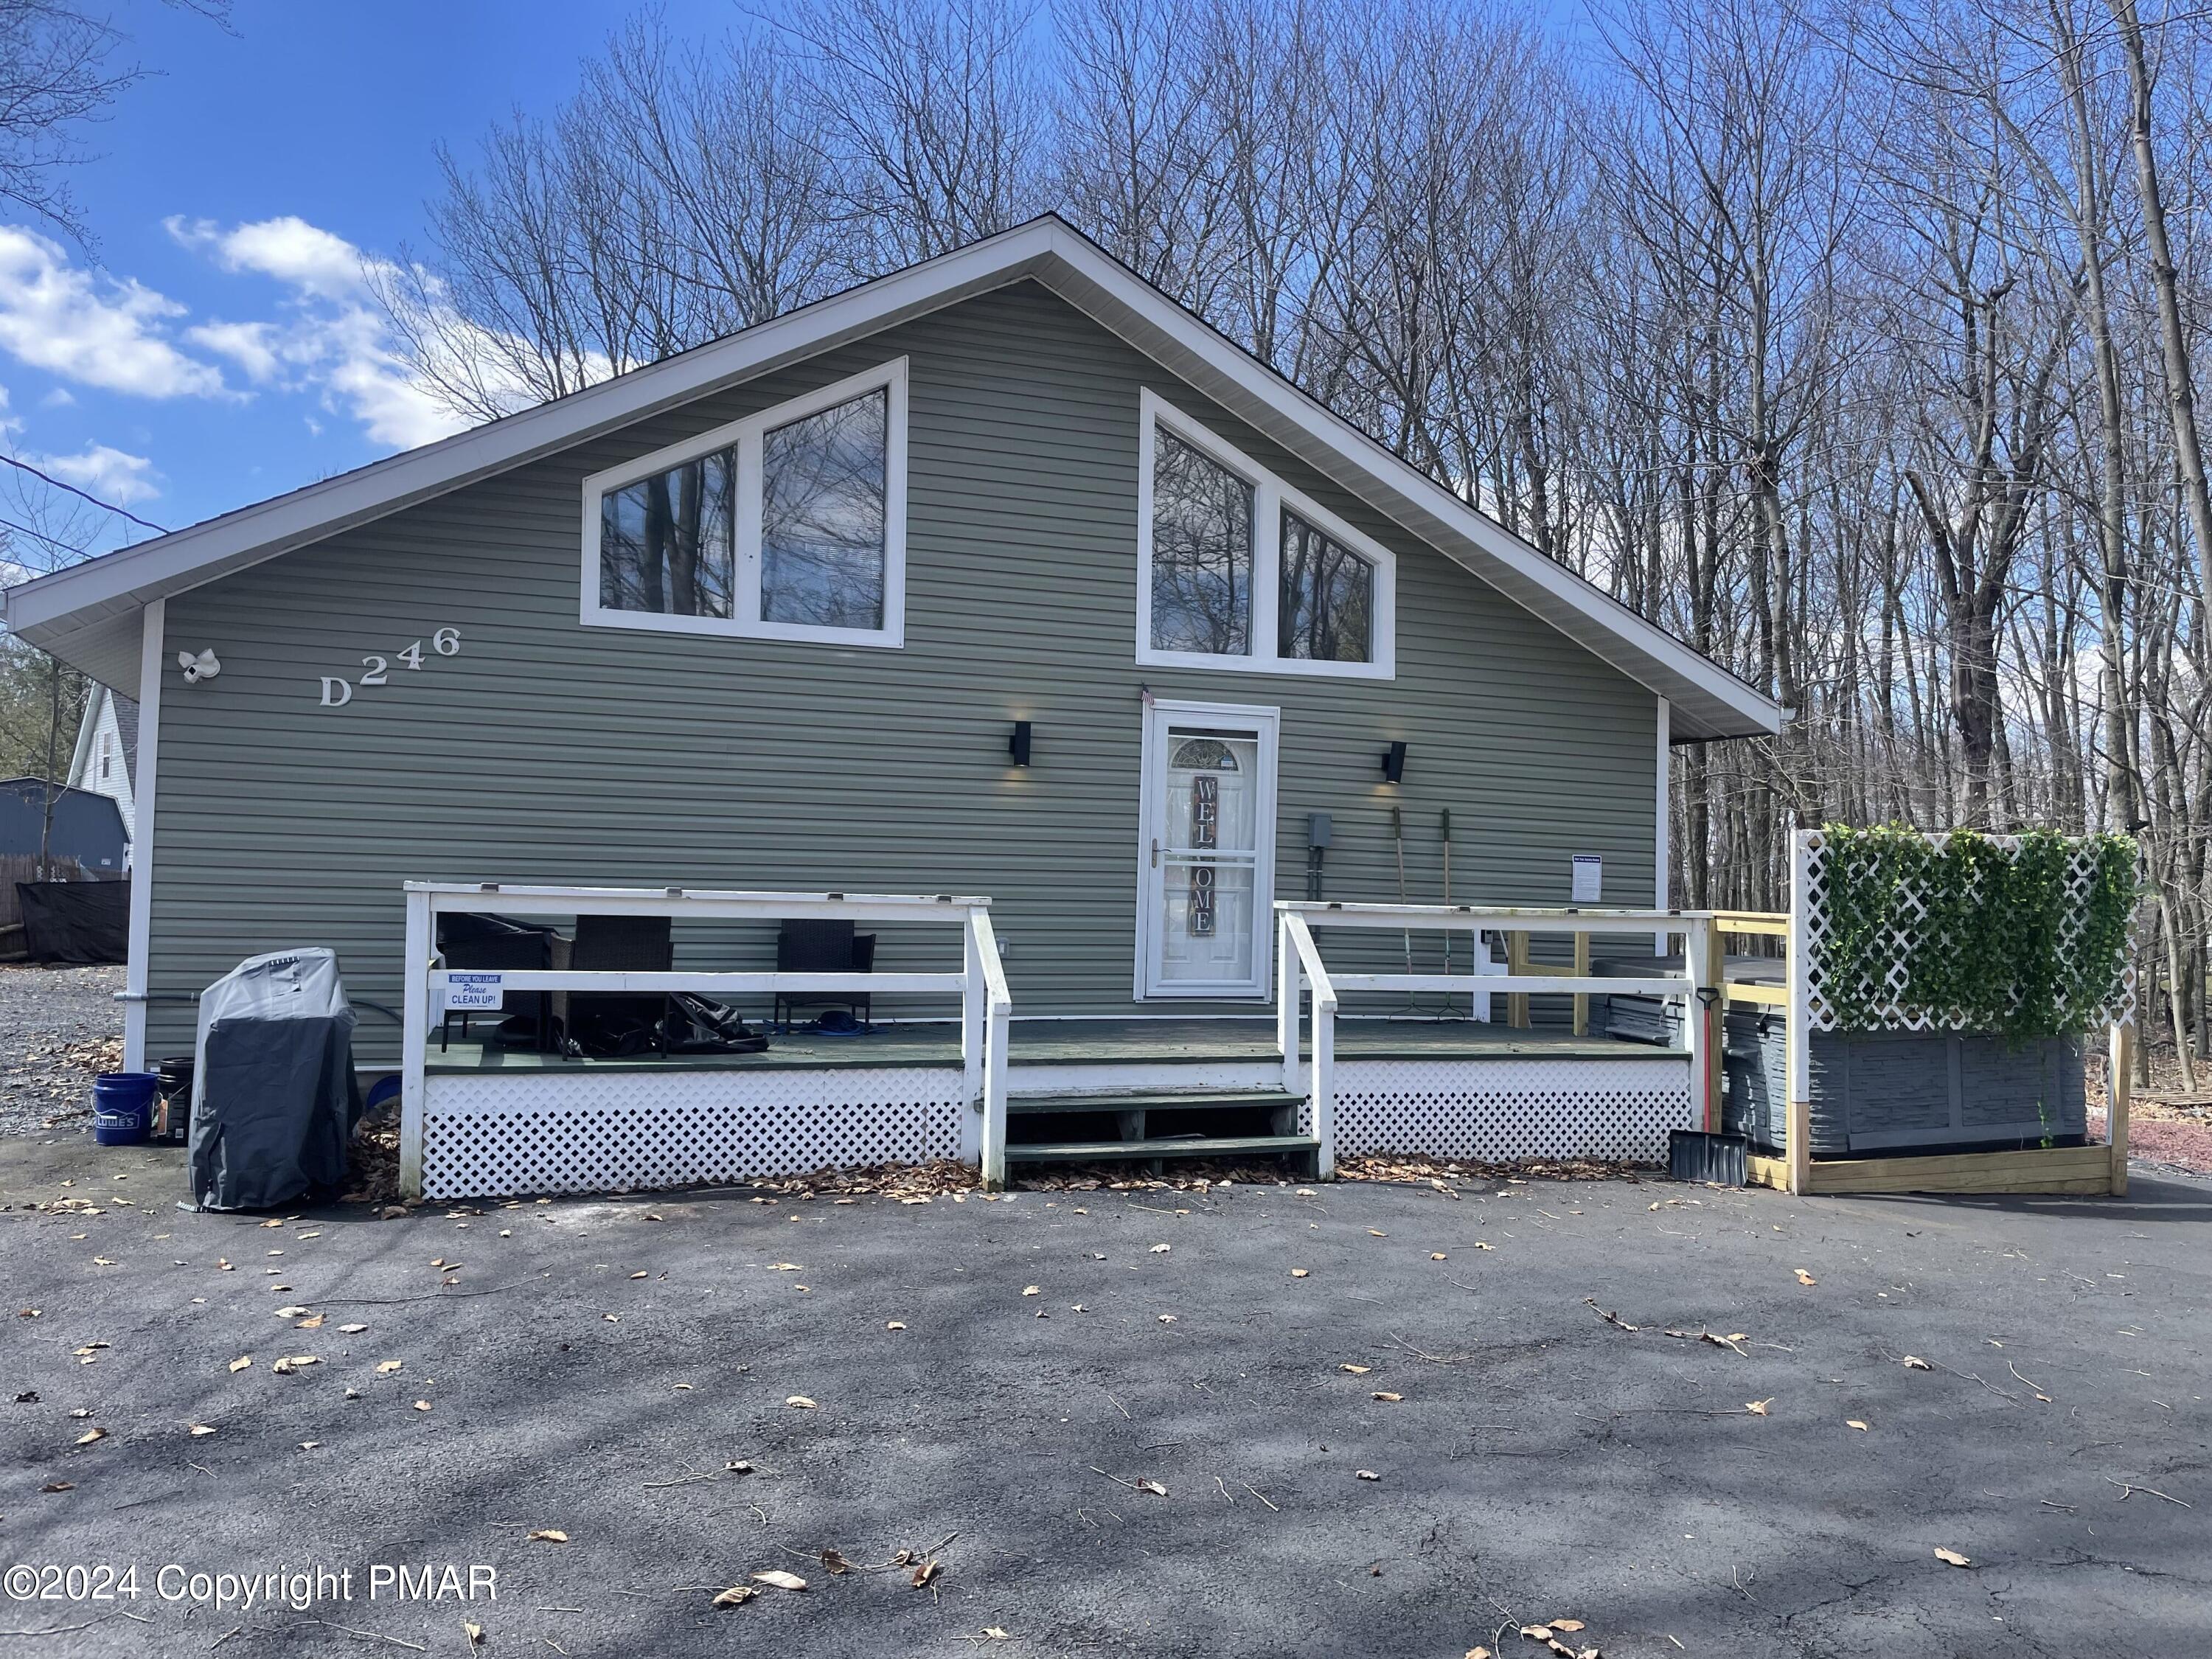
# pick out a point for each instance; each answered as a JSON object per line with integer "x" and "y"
{"x": 1208, "y": 874}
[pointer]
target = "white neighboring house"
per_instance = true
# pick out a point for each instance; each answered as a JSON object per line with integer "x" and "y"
{"x": 106, "y": 757}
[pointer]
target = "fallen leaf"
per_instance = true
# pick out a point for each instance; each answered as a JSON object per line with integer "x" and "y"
{"x": 1029, "y": 1290}
{"x": 200, "y": 1429}
{"x": 835, "y": 1565}
{"x": 1381, "y": 1395}
{"x": 292, "y": 1363}
{"x": 474, "y": 1632}
{"x": 1484, "y": 1653}
{"x": 276, "y": 1222}
{"x": 1356, "y": 1371}
{"x": 895, "y": 1325}
{"x": 637, "y": 1275}
{"x": 1376, "y": 1232}
{"x": 1480, "y": 1245}
{"x": 1757, "y": 1407}
{"x": 1366, "y": 1475}
{"x": 1566, "y": 1624}
{"x": 786, "y": 1268}
{"x": 548, "y": 1535}
{"x": 309, "y": 1445}
{"x": 1913, "y": 1362}
{"x": 1153, "y": 1487}
{"x": 421, "y": 1405}
{"x": 1853, "y": 1423}
{"x": 386, "y": 1367}
{"x": 1537, "y": 1633}
{"x": 1952, "y": 1558}
{"x": 780, "y": 1578}
{"x": 799, "y": 1402}
{"x": 927, "y": 1570}
{"x": 1160, "y": 1249}
{"x": 60, "y": 1485}
{"x": 1301, "y": 1272}
{"x": 241, "y": 1361}
{"x": 992, "y": 1630}
{"x": 1804, "y": 1278}
{"x": 312, "y": 1322}
{"x": 736, "y": 1595}
{"x": 91, "y": 1435}
{"x": 738, "y": 1465}
{"x": 353, "y": 1330}
{"x": 1437, "y": 1255}
{"x": 1167, "y": 1319}
{"x": 292, "y": 1311}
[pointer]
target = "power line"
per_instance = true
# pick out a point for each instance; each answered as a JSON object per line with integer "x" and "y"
{"x": 85, "y": 495}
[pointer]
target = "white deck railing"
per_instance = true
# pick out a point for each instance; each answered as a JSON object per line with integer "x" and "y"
{"x": 1299, "y": 968}
{"x": 986, "y": 1005}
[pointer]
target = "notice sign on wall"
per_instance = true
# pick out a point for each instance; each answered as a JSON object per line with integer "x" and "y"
{"x": 1588, "y": 879}
{"x": 474, "y": 994}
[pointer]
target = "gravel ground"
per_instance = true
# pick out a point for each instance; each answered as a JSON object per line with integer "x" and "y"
{"x": 59, "y": 1028}
{"x": 1694, "y": 1420}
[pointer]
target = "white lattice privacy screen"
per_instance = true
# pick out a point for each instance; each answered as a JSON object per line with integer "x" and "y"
{"x": 1497, "y": 1110}
{"x": 574, "y": 1131}
{"x": 1885, "y": 990}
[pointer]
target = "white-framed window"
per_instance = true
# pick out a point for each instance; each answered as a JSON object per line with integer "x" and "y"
{"x": 1237, "y": 570}
{"x": 787, "y": 525}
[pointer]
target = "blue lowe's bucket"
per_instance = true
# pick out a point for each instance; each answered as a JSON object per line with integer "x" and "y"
{"x": 123, "y": 1106}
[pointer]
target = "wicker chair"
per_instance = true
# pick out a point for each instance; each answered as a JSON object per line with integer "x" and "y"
{"x": 823, "y": 947}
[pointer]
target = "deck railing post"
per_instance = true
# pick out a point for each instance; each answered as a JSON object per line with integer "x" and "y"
{"x": 1323, "y": 1095}
{"x": 1702, "y": 1019}
{"x": 997, "y": 1031}
{"x": 1797, "y": 1035}
{"x": 973, "y": 994}
{"x": 2119, "y": 1087}
{"x": 1288, "y": 982}
{"x": 413, "y": 1033}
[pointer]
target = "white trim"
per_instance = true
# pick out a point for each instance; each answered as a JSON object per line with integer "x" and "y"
{"x": 1271, "y": 498}
{"x": 1266, "y": 723}
{"x": 746, "y": 437}
{"x": 1662, "y": 854}
{"x": 152, "y": 659}
{"x": 51, "y": 610}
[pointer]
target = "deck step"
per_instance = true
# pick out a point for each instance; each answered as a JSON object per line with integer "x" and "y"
{"x": 1188, "y": 1101}
{"x": 1086, "y": 1152}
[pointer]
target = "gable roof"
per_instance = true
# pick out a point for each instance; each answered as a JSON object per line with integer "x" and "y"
{"x": 89, "y": 614}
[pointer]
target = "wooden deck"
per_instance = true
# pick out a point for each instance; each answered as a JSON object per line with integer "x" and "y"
{"x": 1087, "y": 1043}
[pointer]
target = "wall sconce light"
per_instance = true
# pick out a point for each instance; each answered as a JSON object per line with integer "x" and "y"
{"x": 1394, "y": 763}
{"x": 1018, "y": 745}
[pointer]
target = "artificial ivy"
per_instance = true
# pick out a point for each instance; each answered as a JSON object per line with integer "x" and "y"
{"x": 1993, "y": 945}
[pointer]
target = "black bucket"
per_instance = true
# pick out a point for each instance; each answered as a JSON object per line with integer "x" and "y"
{"x": 173, "y": 1112}
{"x": 1721, "y": 1160}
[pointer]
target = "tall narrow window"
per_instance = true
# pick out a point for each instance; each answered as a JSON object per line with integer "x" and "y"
{"x": 665, "y": 542}
{"x": 1327, "y": 608}
{"x": 823, "y": 489}
{"x": 1201, "y": 552}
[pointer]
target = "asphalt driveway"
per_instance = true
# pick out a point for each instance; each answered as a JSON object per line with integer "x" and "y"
{"x": 625, "y": 1373}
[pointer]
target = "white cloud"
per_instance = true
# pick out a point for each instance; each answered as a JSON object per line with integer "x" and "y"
{"x": 333, "y": 339}
{"x": 96, "y": 331}
{"x": 307, "y": 257}
{"x": 106, "y": 472}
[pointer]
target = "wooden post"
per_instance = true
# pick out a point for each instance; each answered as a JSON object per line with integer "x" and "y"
{"x": 1797, "y": 1042}
{"x": 1289, "y": 978}
{"x": 1582, "y": 971}
{"x": 2120, "y": 1083}
{"x": 1516, "y": 962}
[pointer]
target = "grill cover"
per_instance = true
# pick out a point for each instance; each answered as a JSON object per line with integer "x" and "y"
{"x": 274, "y": 1096}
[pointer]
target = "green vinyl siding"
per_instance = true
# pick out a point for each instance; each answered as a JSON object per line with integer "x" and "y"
{"x": 548, "y": 751}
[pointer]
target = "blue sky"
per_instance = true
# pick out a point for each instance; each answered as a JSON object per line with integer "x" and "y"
{"x": 214, "y": 347}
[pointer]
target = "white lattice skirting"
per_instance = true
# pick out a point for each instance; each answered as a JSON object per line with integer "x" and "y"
{"x": 487, "y": 1136}
{"x": 1498, "y": 1110}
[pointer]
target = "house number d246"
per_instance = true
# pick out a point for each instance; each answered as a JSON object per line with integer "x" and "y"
{"x": 338, "y": 692}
